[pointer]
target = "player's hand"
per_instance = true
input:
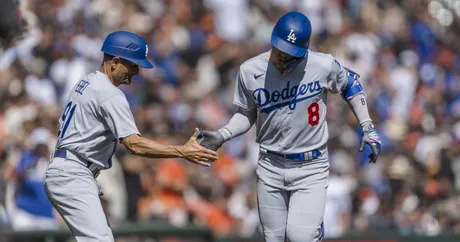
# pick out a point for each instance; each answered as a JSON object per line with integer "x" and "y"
{"x": 212, "y": 140}
{"x": 370, "y": 137}
{"x": 194, "y": 152}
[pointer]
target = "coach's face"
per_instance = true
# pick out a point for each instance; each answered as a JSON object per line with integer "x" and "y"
{"x": 123, "y": 71}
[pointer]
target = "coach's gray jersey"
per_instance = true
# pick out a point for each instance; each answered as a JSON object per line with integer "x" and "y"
{"x": 291, "y": 107}
{"x": 97, "y": 114}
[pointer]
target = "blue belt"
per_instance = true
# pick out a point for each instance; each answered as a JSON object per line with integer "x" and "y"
{"x": 60, "y": 153}
{"x": 310, "y": 155}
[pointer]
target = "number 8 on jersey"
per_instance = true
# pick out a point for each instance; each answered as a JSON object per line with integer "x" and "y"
{"x": 313, "y": 114}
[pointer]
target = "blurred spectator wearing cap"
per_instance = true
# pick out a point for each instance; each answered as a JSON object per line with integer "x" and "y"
{"x": 31, "y": 209}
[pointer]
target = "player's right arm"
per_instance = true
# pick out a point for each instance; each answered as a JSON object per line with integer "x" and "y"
{"x": 241, "y": 121}
{"x": 117, "y": 115}
{"x": 239, "y": 124}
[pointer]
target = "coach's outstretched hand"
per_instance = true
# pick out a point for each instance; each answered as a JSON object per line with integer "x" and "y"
{"x": 195, "y": 153}
{"x": 212, "y": 139}
{"x": 371, "y": 138}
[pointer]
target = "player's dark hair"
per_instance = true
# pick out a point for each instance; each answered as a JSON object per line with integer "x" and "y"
{"x": 108, "y": 57}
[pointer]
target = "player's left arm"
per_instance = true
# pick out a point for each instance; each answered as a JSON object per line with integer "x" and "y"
{"x": 238, "y": 125}
{"x": 347, "y": 83}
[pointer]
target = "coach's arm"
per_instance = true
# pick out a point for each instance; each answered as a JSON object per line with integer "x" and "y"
{"x": 191, "y": 150}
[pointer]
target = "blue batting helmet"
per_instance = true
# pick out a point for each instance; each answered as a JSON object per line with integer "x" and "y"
{"x": 128, "y": 46}
{"x": 291, "y": 34}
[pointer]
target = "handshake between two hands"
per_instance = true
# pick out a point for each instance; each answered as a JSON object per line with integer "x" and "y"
{"x": 204, "y": 152}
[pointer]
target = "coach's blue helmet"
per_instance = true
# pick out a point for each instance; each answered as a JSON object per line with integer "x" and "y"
{"x": 292, "y": 33}
{"x": 128, "y": 46}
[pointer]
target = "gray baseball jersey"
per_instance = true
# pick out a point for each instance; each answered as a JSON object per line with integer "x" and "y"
{"x": 291, "y": 107}
{"x": 96, "y": 116}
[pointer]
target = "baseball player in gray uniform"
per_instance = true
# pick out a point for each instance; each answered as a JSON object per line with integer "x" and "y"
{"x": 284, "y": 92}
{"x": 96, "y": 118}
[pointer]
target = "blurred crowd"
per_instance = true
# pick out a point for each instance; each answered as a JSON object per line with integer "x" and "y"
{"x": 405, "y": 51}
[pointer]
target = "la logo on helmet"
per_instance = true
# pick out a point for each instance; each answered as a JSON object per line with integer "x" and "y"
{"x": 146, "y": 50}
{"x": 291, "y": 37}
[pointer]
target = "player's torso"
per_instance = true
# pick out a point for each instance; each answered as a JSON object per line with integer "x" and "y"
{"x": 81, "y": 127}
{"x": 291, "y": 107}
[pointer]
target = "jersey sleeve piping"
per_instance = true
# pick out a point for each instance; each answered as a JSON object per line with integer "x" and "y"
{"x": 241, "y": 105}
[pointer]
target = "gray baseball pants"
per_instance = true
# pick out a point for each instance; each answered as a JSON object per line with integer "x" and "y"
{"x": 291, "y": 197}
{"x": 74, "y": 192}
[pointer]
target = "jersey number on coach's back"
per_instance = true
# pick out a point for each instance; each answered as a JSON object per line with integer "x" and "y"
{"x": 70, "y": 110}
